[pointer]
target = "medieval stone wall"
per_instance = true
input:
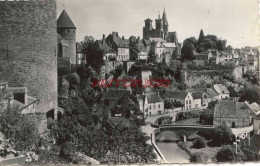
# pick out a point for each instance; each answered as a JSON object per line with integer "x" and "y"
{"x": 28, "y": 42}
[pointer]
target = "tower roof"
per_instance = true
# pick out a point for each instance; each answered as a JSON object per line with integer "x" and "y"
{"x": 164, "y": 15}
{"x": 64, "y": 21}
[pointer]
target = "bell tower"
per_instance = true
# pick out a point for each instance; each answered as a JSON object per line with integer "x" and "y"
{"x": 165, "y": 24}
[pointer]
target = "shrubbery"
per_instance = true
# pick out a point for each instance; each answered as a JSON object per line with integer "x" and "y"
{"x": 200, "y": 157}
{"x": 199, "y": 143}
{"x": 228, "y": 154}
{"x": 222, "y": 136}
{"x": 187, "y": 115}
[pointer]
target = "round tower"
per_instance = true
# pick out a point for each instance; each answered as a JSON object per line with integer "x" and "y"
{"x": 28, "y": 42}
{"x": 67, "y": 30}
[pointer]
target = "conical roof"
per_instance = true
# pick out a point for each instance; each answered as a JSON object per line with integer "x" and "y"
{"x": 64, "y": 21}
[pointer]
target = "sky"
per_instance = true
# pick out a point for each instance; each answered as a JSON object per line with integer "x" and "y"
{"x": 233, "y": 20}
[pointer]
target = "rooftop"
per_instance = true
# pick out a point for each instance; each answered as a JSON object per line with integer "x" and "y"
{"x": 64, "y": 21}
{"x": 176, "y": 94}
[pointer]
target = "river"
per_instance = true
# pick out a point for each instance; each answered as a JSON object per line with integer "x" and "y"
{"x": 171, "y": 151}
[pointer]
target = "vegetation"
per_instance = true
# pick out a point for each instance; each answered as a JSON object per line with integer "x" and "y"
{"x": 222, "y": 136}
{"x": 20, "y": 130}
{"x": 199, "y": 143}
{"x": 200, "y": 157}
{"x": 228, "y": 154}
{"x": 187, "y": 115}
{"x": 251, "y": 95}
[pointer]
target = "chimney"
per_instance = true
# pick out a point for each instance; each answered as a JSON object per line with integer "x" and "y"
{"x": 123, "y": 38}
{"x": 116, "y": 33}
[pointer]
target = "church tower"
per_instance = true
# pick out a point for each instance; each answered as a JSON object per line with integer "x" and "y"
{"x": 147, "y": 28}
{"x": 67, "y": 30}
{"x": 165, "y": 25}
{"x": 159, "y": 27}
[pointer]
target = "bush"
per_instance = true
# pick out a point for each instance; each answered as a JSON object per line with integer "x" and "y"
{"x": 200, "y": 143}
{"x": 228, "y": 154}
{"x": 187, "y": 115}
{"x": 222, "y": 136}
{"x": 74, "y": 79}
{"x": 200, "y": 157}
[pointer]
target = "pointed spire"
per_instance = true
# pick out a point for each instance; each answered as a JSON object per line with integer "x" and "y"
{"x": 64, "y": 21}
{"x": 164, "y": 14}
{"x": 159, "y": 14}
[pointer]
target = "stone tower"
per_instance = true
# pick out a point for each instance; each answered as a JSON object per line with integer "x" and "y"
{"x": 67, "y": 30}
{"x": 28, "y": 42}
{"x": 159, "y": 27}
{"x": 147, "y": 28}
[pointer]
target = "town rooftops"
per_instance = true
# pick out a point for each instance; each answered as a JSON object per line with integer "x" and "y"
{"x": 104, "y": 46}
{"x": 197, "y": 95}
{"x": 118, "y": 41}
{"x": 64, "y": 21}
{"x": 176, "y": 95}
{"x": 157, "y": 40}
{"x": 232, "y": 109}
{"x": 221, "y": 89}
{"x": 153, "y": 98}
{"x": 116, "y": 94}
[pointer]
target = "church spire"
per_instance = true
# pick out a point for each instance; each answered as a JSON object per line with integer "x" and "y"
{"x": 164, "y": 14}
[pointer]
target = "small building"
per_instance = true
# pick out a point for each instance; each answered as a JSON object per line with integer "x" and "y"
{"x": 151, "y": 104}
{"x": 212, "y": 93}
{"x": 222, "y": 91}
{"x": 80, "y": 54}
{"x": 233, "y": 114}
{"x": 184, "y": 97}
{"x": 112, "y": 96}
{"x": 203, "y": 58}
{"x": 201, "y": 99}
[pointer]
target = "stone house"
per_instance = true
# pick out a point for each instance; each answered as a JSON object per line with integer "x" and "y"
{"x": 80, "y": 54}
{"x": 184, "y": 97}
{"x": 151, "y": 104}
{"x": 233, "y": 114}
{"x": 120, "y": 45}
{"x": 222, "y": 91}
{"x": 201, "y": 99}
{"x": 212, "y": 94}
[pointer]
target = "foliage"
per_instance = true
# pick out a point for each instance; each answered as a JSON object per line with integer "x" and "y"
{"x": 200, "y": 157}
{"x": 199, "y": 143}
{"x": 168, "y": 104}
{"x": 188, "y": 48}
{"x": 73, "y": 79}
{"x": 118, "y": 71}
{"x": 251, "y": 95}
{"x": 228, "y": 154}
{"x": 187, "y": 115}
{"x": 21, "y": 130}
{"x": 63, "y": 87}
{"x": 206, "y": 117}
{"x": 222, "y": 136}
{"x": 251, "y": 77}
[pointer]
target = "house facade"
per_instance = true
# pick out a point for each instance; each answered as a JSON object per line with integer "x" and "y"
{"x": 222, "y": 91}
{"x": 151, "y": 104}
{"x": 232, "y": 114}
{"x": 184, "y": 97}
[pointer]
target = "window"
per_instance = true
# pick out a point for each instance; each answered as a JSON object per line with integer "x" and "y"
{"x": 150, "y": 107}
{"x": 69, "y": 31}
{"x": 159, "y": 106}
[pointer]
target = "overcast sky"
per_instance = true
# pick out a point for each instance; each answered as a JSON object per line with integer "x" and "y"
{"x": 233, "y": 20}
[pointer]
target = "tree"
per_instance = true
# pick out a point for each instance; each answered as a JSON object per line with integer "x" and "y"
{"x": 201, "y": 37}
{"x": 251, "y": 95}
{"x": 222, "y": 136}
{"x": 21, "y": 130}
{"x": 229, "y": 47}
{"x": 228, "y": 154}
{"x": 187, "y": 51}
{"x": 74, "y": 79}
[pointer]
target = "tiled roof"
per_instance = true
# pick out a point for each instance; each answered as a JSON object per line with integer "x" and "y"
{"x": 118, "y": 41}
{"x": 153, "y": 98}
{"x": 175, "y": 95}
{"x": 232, "y": 109}
{"x": 64, "y": 21}
{"x": 221, "y": 89}
{"x": 211, "y": 92}
{"x": 104, "y": 46}
{"x": 197, "y": 95}
{"x": 116, "y": 94}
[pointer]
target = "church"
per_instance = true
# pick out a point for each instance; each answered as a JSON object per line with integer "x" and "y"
{"x": 160, "y": 31}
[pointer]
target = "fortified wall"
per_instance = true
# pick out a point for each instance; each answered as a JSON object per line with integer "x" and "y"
{"x": 28, "y": 40}
{"x": 192, "y": 78}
